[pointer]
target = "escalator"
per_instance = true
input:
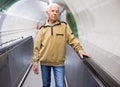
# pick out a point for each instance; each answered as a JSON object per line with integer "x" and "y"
{"x": 15, "y": 59}
{"x": 77, "y": 74}
{"x": 16, "y": 68}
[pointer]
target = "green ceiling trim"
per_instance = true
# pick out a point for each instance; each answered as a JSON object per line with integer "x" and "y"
{"x": 5, "y": 4}
{"x": 72, "y": 22}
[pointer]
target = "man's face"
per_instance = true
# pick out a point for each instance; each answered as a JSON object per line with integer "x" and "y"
{"x": 53, "y": 13}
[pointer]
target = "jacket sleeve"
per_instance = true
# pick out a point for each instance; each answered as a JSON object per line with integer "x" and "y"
{"x": 72, "y": 40}
{"x": 37, "y": 47}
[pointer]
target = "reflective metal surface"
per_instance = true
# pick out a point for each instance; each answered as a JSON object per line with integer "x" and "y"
{"x": 14, "y": 63}
{"x": 77, "y": 74}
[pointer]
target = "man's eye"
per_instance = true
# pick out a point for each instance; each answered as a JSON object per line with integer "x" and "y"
{"x": 55, "y": 11}
{"x": 52, "y": 11}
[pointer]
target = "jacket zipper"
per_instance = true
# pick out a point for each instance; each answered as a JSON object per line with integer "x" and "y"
{"x": 51, "y": 26}
{"x": 52, "y": 30}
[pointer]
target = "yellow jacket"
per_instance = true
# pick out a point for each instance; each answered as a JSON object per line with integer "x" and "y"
{"x": 50, "y": 45}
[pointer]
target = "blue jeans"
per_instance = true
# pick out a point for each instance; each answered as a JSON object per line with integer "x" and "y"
{"x": 58, "y": 71}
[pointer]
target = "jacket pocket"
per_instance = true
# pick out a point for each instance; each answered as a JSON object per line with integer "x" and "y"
{"x": 59, "y": 34}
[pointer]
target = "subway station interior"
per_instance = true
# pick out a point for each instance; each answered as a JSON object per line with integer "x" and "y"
{"x": 96, "y": 23}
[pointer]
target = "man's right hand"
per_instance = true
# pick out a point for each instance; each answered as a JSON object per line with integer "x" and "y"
{"x": 36, "y": 69}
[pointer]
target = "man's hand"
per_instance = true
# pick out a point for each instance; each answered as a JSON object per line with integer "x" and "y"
{"x": 36, "y": 68}
{"x": 83, "y": 54}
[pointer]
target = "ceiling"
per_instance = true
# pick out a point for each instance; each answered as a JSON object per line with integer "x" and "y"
{"x": 5, "y": 4}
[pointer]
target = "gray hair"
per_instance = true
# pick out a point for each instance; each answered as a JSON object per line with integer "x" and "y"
{"x": 52, "y": 4}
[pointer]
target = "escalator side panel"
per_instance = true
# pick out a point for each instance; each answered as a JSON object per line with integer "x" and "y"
{"x": 77, "y": 74}
{"x": 14, "y": 63}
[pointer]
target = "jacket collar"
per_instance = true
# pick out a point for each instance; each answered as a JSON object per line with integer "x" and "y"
{"x": 56, "y": 23}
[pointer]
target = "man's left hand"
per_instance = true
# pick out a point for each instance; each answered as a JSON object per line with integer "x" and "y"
{"x": 83, "y": 54}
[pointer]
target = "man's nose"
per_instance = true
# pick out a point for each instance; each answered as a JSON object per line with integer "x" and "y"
{"x": 55, "y": 12}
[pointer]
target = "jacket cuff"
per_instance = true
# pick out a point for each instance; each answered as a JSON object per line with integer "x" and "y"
{"x": 80, "y": 51}
{"x": 35, "y": 63}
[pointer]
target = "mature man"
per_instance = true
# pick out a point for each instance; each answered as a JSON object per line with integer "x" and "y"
{"x": 50, "y": 47}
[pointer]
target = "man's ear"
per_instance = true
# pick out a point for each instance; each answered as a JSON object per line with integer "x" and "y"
{"x": 60, "y": 13}
{"x": 47, "y": 12}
